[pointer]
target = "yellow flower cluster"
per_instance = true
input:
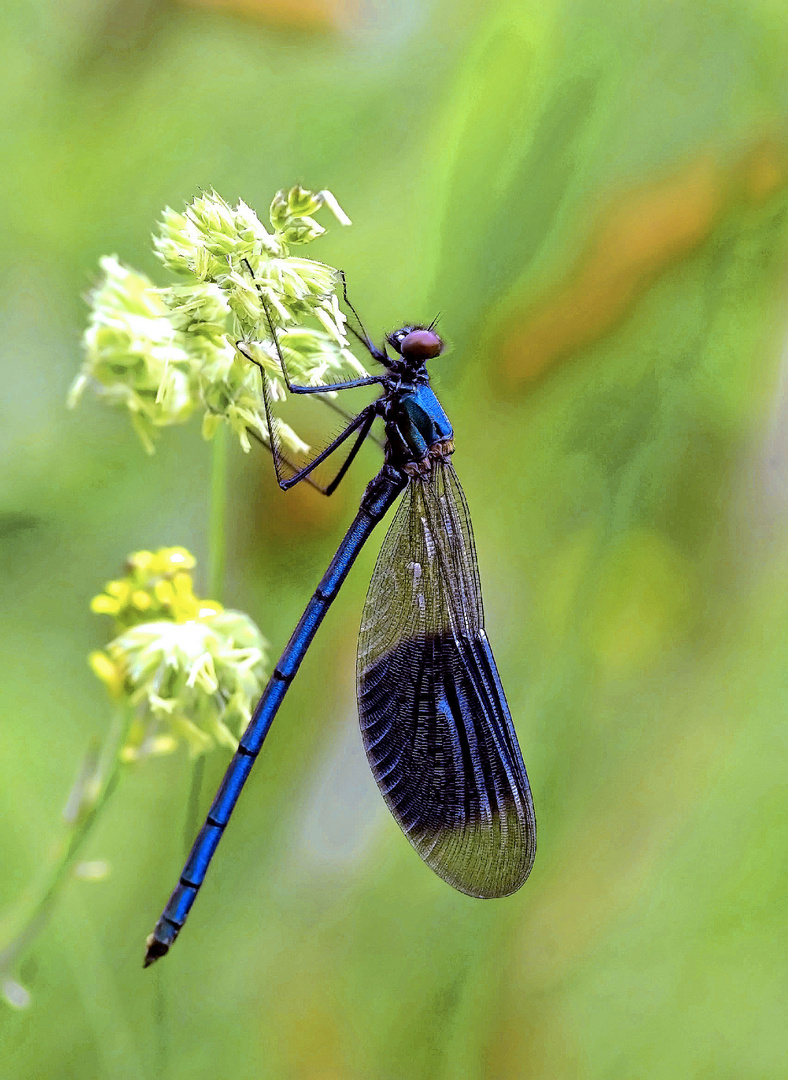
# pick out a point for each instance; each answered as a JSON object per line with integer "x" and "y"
{"x": 189, "y": 670}
{"x": 157, "y": 585}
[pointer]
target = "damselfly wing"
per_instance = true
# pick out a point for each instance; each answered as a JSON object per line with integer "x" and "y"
{"x": 436, "y": 727}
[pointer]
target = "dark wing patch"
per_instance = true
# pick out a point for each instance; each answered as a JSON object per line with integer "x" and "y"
{"x": 435, "y": 723}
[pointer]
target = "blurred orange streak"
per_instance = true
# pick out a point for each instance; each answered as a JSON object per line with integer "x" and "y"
{"x": 312, "y": 14}
{"x": 635, "y": 240}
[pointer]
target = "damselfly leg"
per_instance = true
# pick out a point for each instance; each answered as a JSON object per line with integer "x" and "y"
{"x": 288, "y": 472}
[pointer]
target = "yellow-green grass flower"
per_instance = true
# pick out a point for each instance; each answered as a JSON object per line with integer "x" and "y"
{"x": 189, "y": 671}
{"x": 134, "y": 355}
{"x": 165, "y": 352}
{"x": 157, "y": 584}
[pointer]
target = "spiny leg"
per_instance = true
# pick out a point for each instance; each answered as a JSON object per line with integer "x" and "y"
{"x": 296, "y": 388}
{"x": 363, "y": 421}
{"x": 363, "y": 337}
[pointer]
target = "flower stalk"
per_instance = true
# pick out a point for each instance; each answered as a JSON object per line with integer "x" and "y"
{"x": 96, "y": 782}
{"x": 183, "y": 671}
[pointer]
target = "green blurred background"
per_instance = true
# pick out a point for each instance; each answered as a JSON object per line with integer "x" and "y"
{"x": 594, "y": 195}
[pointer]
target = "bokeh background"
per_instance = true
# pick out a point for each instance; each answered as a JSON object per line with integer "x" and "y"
{"x": 594, "y": 195}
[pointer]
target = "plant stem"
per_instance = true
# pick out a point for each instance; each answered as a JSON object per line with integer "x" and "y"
{"x": 193, "y": 804}
{"x": 217, "y": 549}
{"x": 217, "y": 515}
{"x": 97, "y": 781}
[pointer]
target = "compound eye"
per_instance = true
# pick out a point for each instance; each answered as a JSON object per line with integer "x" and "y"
{"x": 421, "y": 345}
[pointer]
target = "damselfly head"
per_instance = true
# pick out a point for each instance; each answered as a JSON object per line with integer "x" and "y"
{"x": 416, "y": 344}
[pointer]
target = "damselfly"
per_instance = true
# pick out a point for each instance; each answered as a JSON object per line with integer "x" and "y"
{"x": 436, "y": 727}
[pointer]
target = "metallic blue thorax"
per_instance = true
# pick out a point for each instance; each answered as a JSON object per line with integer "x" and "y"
{"x": 415, "y": 423}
